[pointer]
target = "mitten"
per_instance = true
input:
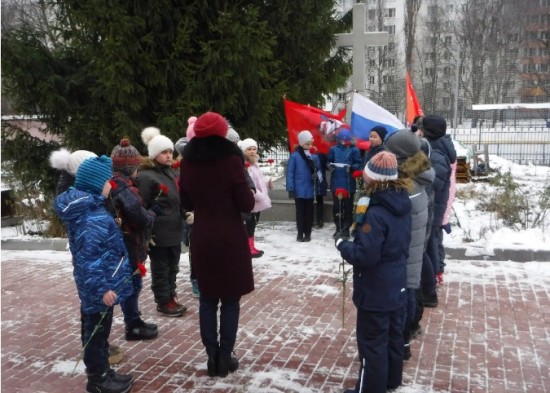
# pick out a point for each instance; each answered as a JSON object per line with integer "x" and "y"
{"x": 446, "y": 228}
{"x": 291, "y": 195}
{"x": 338, "y": 241}
{"x": 189, "y": 218}
{"x": 155, "y": 207}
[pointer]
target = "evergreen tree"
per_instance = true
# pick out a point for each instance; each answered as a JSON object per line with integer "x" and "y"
{"x": 97, "y": 71}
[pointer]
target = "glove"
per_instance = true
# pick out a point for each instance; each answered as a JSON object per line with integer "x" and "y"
{"x": 331, "y": 167}
{"x": 338, "y": 241}
{"x": 446, "y": 228}
{"x": 155, "y": 207}
{"x": 189, "y": 218}
{"x": 291, "y": 195}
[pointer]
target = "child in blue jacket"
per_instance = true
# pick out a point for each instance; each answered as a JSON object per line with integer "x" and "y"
{"x": 343, "y": 158}
{"x": 102, "y": 270}
{"x": 379, "y": 255}
{"x": 302, "y": 176}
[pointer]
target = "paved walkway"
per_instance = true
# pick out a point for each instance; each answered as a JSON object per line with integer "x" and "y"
{"x": 491, "y": 332}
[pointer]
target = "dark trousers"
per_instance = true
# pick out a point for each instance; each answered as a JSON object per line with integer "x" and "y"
{"x": 229, "y": 324}
{"x": 432, "y": 249}
{"x": 380, "y": 342}
{"x": 441, "y": 250}
{"x": 130, "y": 306}
{"x": 342, "y": 211}
{"x": 251, "y": 222}
{"x": 418, "y": 310}
{"x": 304, "y": 215}
{"x": 95, "y": 335}
{"x": 409, "y": 314}
{"x": 427, "y": 277}
{"x": 319, "y": 209}
{"x": 164, "y": 269}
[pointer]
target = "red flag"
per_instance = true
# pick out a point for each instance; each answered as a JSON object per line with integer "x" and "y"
{"x": 413, "y": 106}
{"x": 323, "y": 125}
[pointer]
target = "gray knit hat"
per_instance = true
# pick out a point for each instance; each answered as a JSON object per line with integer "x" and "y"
{"x": 403, "y": 143}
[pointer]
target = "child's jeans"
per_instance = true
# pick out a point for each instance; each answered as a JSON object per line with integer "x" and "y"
{"x": 95, "y": 335}
{"x": 229, "y": 324}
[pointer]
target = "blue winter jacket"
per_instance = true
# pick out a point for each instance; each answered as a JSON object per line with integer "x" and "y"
{"x": 379, "y": 252}
{"x": 100, "y": 258}
{"x": 299, "y": 177}
{"x": 341, "y": 177}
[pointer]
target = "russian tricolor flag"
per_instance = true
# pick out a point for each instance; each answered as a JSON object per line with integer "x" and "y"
{"x": 365, "y": 114}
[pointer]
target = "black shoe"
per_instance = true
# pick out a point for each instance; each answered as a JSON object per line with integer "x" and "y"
{"x": 106, "y": 383}
{"x": 300, "y": 237}
{"x": 430, "y": 300}
{"x": 212, "y": 366}
{"x": 141, "y": 331}
{"x": 407, "y": 352}
{"x": 344, "y": 234}
{"x": 415, "y": 332}
{"x": 319, "y": 224}
{"x": 227, "y": 365}
{"x": 307, "y": 238}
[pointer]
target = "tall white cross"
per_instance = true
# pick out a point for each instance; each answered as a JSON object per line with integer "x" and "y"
{"x": 359, "y": 39}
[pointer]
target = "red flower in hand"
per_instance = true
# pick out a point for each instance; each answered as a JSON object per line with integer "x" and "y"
{"x": 142, "y": 269}
{"x": 247, "y": 164}
{"x": 341, "y": 193}
{"x": 357, "y": 174}
{"x": 163, "y": 190}
{"x": 113, "y": 184}
{"x": 176, "y": 165}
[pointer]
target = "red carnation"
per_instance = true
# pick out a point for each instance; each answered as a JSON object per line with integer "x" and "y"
{"x": 113, "y": 184}
{"x": 247, "y": 164}
{"x": 341, "y": 193}
{"x": 270, "y": 161}
{"x": 142, "y": 269}
{"x": 357, "y": 174}
{"x": 163, "y": 189}
{"x": 176, "y": 165}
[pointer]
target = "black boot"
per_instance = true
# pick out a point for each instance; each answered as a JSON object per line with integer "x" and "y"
{"x": 141, "y": 330}
{"x": 227, "y": 364}
{"x": 307, "y": 237}
{"x": 300, "y": 237}
{"x": 108, "y": 382}
{"x": 319, "y": 213}
{"x": 212, "y": 365}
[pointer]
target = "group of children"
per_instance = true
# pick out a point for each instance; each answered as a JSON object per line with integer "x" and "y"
{"x": 123, "y": 208}
{"x": 404, "y": 202}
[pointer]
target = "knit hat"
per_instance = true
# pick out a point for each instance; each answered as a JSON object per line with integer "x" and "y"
{"x": 343, "y": 136}
{"x": 381, "y": 131}
{"x": 232, "y": 135}
{"x": 434, "y": 126}
{"x": 381, "y": 167}
{"x": 403, "y": 143}
{"x": 64, "y": 160}
{"x": 246, "y": 143}
{"x": 126, "y": 158}
{"x": 210, "y": 124}
{"x": 180, "y": 145}
{"x": 93, "y": 173}
{"x": 304, "y": 137}
{"x": 190, "y": 133}
{"x": 155, "y": 142}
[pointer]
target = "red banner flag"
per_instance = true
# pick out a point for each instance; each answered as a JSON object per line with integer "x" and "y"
{"x": 323, "y": 125}
{"x": 413, "y": 106}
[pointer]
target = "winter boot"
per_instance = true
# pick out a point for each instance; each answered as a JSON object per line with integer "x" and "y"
{"x": 307, "y": 237}
{"x": 108, "y": 382}
{"x": 300, "y": 237}
{"x": 140, "y": 330}
{"x": 254, "y": 246}
{"x": 116, "y": 354}
{"x": 253, "y": 252}
{"x": 319, "y": 213}
{"x": 439, "y": 278}
{"x": 212, "y": 366}
{"x": 407, "y": 351}
{"x": 227, "y": 364}
{"x": 170, "y": 309}
{"x": 430, "y": 300}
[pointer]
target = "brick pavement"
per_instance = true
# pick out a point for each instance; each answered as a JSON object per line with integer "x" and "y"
{"x": 490, "y": 333}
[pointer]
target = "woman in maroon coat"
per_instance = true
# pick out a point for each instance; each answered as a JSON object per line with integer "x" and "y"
{"x": 213, "y": 185}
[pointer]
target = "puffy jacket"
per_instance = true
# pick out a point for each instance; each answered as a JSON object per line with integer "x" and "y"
{"x": 261, "y": 197}
{"x": 168, "y": 226}
{"x": 299, "y": 177}
{"x": 341, "y": 177}
{"x": 100, "y": 258}
{"x": 380, "y": 249}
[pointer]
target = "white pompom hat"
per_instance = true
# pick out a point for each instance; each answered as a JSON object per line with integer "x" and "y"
{"x": 156, "y": 143}
{"x": 246, "y": 143}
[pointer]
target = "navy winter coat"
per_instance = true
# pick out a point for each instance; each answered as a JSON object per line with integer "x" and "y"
{"x": 341, "y": 177}
{"x": 380, "y": 250}
{"x": 100, "y": 258}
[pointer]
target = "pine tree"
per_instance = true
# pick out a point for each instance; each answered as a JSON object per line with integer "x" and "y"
{"x": 97, "y": 71}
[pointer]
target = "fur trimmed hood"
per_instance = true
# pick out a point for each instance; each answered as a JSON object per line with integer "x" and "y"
{"x": 210, "y": 149}
{"x": 413, "y": 166}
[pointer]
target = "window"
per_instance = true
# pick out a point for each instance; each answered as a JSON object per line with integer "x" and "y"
{"x": 371, "y": 14}
{"x": 390, "y": 29}
{"x": 371, "y": 80}
{"x": 388, "y": 79}
{"x": 389, "y": 63}
{"x": 447, "y": 71}
{"x": 430, "y": 72}
{"x": 390, "y": 13}
{"x": 446, "y": 101}
{"x": 372, "y": 63}
{"x": 448, "y": 40}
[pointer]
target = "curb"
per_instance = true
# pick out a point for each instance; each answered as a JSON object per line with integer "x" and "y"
{"x": 458, "y": 253}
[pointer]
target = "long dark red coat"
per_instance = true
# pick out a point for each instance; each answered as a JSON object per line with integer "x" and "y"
{"x": 213, "y": 185}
